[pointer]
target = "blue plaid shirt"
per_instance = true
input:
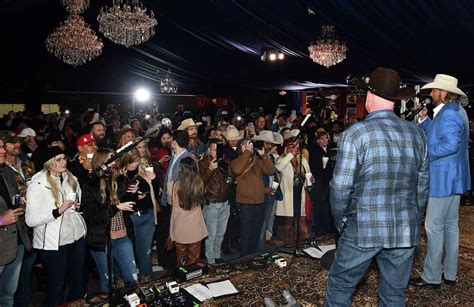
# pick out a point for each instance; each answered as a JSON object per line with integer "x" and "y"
{"x": 382, "y": 177}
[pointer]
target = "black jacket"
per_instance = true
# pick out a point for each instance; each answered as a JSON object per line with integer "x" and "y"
{"x": 95, "y": 215}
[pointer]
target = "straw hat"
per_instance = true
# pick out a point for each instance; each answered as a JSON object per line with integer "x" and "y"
{"x": 232, "y": 134}
{"x": 189, "y": 122}
{"x": 446, "y": 83}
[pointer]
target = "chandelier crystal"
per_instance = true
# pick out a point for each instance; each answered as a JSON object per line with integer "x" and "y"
{"x": 127, "y": 24}
{"x": 328, "y": 50}
{"x": 74, "y": 42}
{"x": 75, "y": 6}
{"x": 168, "y": 85}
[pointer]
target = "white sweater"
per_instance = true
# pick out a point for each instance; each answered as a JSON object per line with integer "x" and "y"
{"x": 39, "y": 214}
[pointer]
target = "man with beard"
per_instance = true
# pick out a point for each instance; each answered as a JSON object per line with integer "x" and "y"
{"x": 448, "y": 138}
{"x": 113, "y": 130}
{"x": 98, "y": 132}
{"x": 14, "y": 238}
{"x": 81, "y": 166}
{"x": 30, "y": 145}
{"x": 196, "y": 147}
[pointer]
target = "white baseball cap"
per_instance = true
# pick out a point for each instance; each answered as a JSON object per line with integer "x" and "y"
{"x": 27, "y": 132}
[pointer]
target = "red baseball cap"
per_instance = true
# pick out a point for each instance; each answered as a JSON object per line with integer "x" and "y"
{"x": 85, "y": 139}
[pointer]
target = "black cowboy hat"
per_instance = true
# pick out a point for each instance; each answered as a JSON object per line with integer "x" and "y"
{"x": 385, "y": 83}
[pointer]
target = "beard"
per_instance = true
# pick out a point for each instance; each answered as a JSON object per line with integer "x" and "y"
{"x": 193, "y": 136}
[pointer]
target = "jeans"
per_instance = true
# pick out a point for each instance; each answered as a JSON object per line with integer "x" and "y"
{"x": 144, "y": 228}
{"x": 251, "y": 221}
{"x": 122, "y": 252}
{"x": 351, "y": 262}
{"x": 24, "y": 295}
{"x": 64, "y": 267}
{"x": 9, "y": 275}
{"x": 269, "y": 217}
{"x": 216, "y": 216}
{"x": 441, "y": 224}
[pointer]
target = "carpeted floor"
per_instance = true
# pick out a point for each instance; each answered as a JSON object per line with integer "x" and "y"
{"x": 306, "y": 279}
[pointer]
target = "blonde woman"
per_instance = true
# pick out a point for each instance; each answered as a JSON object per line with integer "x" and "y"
{"x": 136, "y": 187}
{"x": 58, "y": 229}
{"x": 96, "y": 212}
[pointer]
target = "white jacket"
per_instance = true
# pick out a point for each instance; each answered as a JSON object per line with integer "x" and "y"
{"x": 285, "y": 206}
{"x": 39, "y": 213}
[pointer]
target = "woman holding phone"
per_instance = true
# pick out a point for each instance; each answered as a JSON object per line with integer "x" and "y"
{"x": 135, "y": 186}
{"x": 58, "y": 229}
{"x": 99, "y": 213}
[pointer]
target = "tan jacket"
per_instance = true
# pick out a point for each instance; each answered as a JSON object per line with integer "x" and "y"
{"x": 250, "y": 188}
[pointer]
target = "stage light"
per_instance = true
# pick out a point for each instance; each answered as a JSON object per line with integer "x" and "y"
{"x": 281, "y": 55}
{"x": 272, "y": 55}
{"x": 142, "y": 95}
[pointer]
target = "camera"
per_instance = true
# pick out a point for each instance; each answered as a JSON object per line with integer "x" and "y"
{"x": 220, "y": 156}
{"x": 258, "y": 145}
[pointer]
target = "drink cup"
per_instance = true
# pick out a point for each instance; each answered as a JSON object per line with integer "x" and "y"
{"x": 149, "y": 169}
{"x": 275, "y": 185}
{"x": 325, "y": 161}
{"x": 308, "y": 177}
{"x": 90, "y": 156}
{"x": 71, "y": 196}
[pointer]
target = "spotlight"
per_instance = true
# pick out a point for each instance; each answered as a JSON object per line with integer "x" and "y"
{"x": 142, "y": 95}
{"x": 272, "y": 55}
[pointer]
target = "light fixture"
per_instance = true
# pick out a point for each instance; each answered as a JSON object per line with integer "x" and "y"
{"x": 272, "y": 55}
{"x": 328, "y": 50}
{"x": 168, "y": 85}
{"x": 74, "y": 42}
{"x": 142, "y": 95}
{"x": 127, "y": 22}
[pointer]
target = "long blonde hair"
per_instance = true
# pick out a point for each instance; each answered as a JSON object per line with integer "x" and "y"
{"x": 100, "y": 157}
{"x": 48, "y": 166}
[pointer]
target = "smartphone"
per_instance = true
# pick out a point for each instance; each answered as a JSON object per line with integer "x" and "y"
{"x": 147, "y": 117}
{"x": 293, "y": 113}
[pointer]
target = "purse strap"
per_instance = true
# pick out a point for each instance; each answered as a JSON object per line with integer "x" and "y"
{"x": 236, "y": 179}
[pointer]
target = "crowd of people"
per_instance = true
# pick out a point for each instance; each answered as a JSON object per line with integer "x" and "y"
{"x": 197, "y": 187}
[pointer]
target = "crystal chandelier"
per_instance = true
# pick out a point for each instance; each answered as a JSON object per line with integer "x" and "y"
{"x": 75, "y": 6}
{"x": 127, "y": 24}
{"x": 74, "y": 42}
{"x": 327, "y": 50}
{"x": 168, "y": 85}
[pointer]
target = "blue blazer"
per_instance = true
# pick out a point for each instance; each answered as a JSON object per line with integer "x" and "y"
{"x": 448, "y": 137}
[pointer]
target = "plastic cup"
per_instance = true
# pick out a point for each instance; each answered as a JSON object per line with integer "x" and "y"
{"x": 308, "y": 177}
{"x": 149, "y": 169}
{"x": 325, "y": 161}
{"x": 90, "y": 156}
{"x": 71, "y": 196}
{"x": 275, "y": 185}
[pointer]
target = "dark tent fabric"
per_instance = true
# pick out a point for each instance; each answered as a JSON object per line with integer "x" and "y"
{"x": 214, "y": 46}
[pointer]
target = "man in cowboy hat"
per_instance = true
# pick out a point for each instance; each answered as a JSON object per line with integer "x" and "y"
{"x": 196, "y": 147}
{"x": 378, "y": 194}
{"x": 448, "y": 138}
{"x": 270, "y": 139}
{"x": 249, "y": 169}
{"x": 231, "y": 237}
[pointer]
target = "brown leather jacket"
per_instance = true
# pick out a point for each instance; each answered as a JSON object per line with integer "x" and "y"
{"x": 217, "y": 189}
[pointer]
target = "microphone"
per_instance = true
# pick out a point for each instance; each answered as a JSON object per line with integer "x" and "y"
{"x": 411, "y": 115}
{"x": 305, "y": 119}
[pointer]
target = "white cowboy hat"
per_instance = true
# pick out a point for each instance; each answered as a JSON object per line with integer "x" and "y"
{"x": 189, "y": 122}
{"x": 294, "y": 133}
{"x": 446, "y": 83}
{"x": 277, "y": 138}
{"x": 266, "y": 136}
{"x": 232, "y": 134}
